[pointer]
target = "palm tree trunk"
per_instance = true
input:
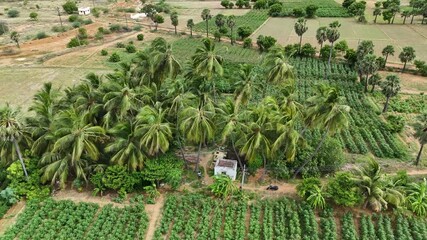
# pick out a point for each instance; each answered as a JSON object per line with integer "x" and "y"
{"x": 386, "y": 56}
{"x": 412, "y": 19}
{"x": 386, "y": 105}
{"x": 321, "y": 46}
{"x": 231, "y": 36}
{"x": 392, "y": 20}
{"x": 404, "y": 20}
{"x": 373, "y": 88}
{"x": 330, "y": 55}
{"x": 237, "y": 154}
{"x": 198, "y": 157}
{"x": 417, "y": 161}
{"x": 207, "y": 28}
{"x": 300, "y": 41}
{"x": 366, "y": 83}
{"x": 191, "y": 32}
{"x": 375, "y": 20}
{"x": 18, "y": 151}
{"x": 312, "y": 155}
{"x": 404, "y": 66}
{"x": 156, "y": 26}
{"x": 175, "y": 30}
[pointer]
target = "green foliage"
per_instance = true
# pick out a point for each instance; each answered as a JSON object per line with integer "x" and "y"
{"x": 70, "y": 7}
{"x": 244, "y": 32}
{"x": 310, "y": 11}
{"x": 76, "y": 42}
{"x": 342, "y": 190}
{"x": 130, "y": 48}
{"x": 396, "y": 123}
{"x": 3, "y": 28}
{"x": 311, "y": 191}
{"x": 104, "y": 52}
{"x": 324, "y": 53}
{"x": 118, "y": 178}
{"x": 114, "y": 57}
{"x": 8, "y": 195}
{"x": 13, "y": 13}
{"x": 166, "y": 168}
{"x": 33, "y": 16}
{"x": 247, "y": 43}
{"x": 59, "y": 28}
{"x": 41, "y": 35}
{"x": 298, "y": 12}
{"x": 265, "y": 42}
{"x": 275, "y": 10}
{"x": 223, "y": 186}
{"x": 140, "y": 37}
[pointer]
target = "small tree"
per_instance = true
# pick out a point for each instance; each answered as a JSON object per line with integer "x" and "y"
{"x": 388, "y": 50}
{"x": 206, "y": 16}
{"x": 244, "y": 32}
{"x": 405, "y": 14}
{"x": 231, "y": 23}
{"x": 265, "y": 42}
{"x": 377, "y": 12}
{"x": 14, "y": 36}
{"x": 70, "y": 7}
{"x": 190, "y": 25}
{"x": 333, "y": 35}
{"x": 374, "y": 80}
{"x": 387, "y": 16}
{"x": 300, "y": 28}
{"x": 310, "y": 11}
{"x": 13, "y": 13}
{"x": 158, "y": 19}
{"x": 407, "y": 55}
{"x": 390, "y": 88}
{"x": 33, "y": 16}
{"x": 220, "y": 21}
{"x": 174, "y": 20}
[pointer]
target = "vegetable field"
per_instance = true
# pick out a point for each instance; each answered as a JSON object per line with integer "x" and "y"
{"x": 252, "y": 19}
{"x": 67, "y": 220}
{"x": 327, "y": 8}
{"x": 366, "y": 133}
{"x": 200, "y": 217}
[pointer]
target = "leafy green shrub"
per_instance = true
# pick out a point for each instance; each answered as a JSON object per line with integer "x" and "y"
{"x": 3, "y": 28}
{"x": 41, "y": 35}
{"x": 223, "y": 186}
{"x": 396, "y": 123}
{"x": 59, "y": 28}
{"x": 70, "y": 7}
{"x": 33, "y": 16}
{"x": 244, "y": 32}
{"x": 13, "y": 13}
{"x": 137, "y": 28}
{"x": 115, "y": 57}
{"x": 130, "y": 48}
{"x": 298, "y": 12}
{"x": 166, "y": 168}
{"x": 99, "y": 36}
{"x": 104, "y": 52}
{"x": 247, "y": 43}
{"x": 74, "y": 18}
{"x": 75, "y": 42}
{"x": 120, "y": 45}
{"x": 140, "y": 37}
{"x": 265, "y": 42}
{"x": 116, "y": 27}
{"x": 310, "y": 11}
{"x": 419, "y": 64}
{"x": 324, "y": 52}
{"x": 311, "y": 191}
{"x": 9, "y": 196}
{"x": 82, "y": 34}
{"x": 76, "y": 24}
{"x": 260, "y": 4}
{"x": 275, "y": 10}
{"x": 307, "y": 50}
{"x": 343, "y": 190}
{"x": 87, "y": 21}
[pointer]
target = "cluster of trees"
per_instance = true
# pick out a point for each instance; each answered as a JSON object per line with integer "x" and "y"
{"x": 356, "y": 8}
{"x": 388, "y": 9}
{"x": 138, "y": 113}
{"x": 239, "y": 3}
{"x": 369, "y": 186}
{"x": 276, "y": 8}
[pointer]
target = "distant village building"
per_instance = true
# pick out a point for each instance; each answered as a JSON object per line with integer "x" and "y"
{"x": 225, "y": 166}
{"x": 84, "y": 10}
{"x": 138, "y": 16}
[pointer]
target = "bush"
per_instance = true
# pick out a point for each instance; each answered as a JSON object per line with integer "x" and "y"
{"x": 343, "y": 190}
{"x": 310, "y": 11}
{"x": 260, "y": 4}
{"x": 13, "y": 13}
{"x": 34, "y": 16}
{"x": 75, "y": 42}
{"x": 130, "y": 48}
{"x": 298, "y": 12}
{"x": 307, "y": 50}
{"x": 140, "y": 37}
{"x": 41, "y": 35}
{"x": 137, "y": 28}
{"x": 104, "y": 52}
{"x": 99, "y": 36}
{"x": 341, "y": 46}
{"x": 420, "y": 65}
{"x": 116, "y": 27}
{"x": 225, "y": 3}
{"x": 3, "y": 28}
{"x": 70, "y": 7}
{"x": 120, "y": 45}
{"x": 82, "y": 34}
{"x": 76, "y": 24}
{"x": 74, "y": 18}
{"x": 265, "y": 42}
{"x": 324, "y": 52}
{"x": 115, "y": 57}
{"x": 396, "y": 123}
{"x": 244, "y": 32}
{"x": 247, "y": 43}
{"x": 275, "y": 10}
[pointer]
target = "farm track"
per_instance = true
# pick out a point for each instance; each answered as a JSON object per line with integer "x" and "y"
{"x": 154, "y": 216}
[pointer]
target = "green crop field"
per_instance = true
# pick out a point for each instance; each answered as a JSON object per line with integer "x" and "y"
{"x": 198, "y": 217}
{"x": 252, "y": 19}
{"x": 67, "y": 220}
{"x": 327, "y": 8}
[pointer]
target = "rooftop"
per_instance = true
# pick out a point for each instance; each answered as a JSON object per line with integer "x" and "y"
{"x": 226, "y": 163}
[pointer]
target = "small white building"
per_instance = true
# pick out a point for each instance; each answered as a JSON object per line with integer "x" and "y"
{"x": 84, "y": 10}
{"x": 227, "y": 167}
{"x": 136, "y": 16}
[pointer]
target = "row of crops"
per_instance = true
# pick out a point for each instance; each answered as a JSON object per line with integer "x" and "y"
{"x": 64, "y": 220}
{"x": 253, "y": 19}
{"x": 327, "y": 8}
{"x": 200, "y": 217}
{"x": 366, "y": 132}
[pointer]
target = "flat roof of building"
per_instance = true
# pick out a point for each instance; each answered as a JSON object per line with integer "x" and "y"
{"x": 226, "y": 163}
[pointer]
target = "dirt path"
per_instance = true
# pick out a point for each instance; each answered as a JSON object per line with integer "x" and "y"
{"x": 154, "y": 215}
{"x": 73, "y": 195}
{"x": 204, "y": 161}
{"x": 10, "y": 217}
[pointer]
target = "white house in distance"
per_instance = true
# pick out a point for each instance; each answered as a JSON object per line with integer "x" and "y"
{"x": 84, "y": 10}
{"x": 138, "y": 16}
{"x": 225, "y": 166}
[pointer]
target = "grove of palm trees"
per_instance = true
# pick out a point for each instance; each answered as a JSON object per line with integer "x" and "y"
{"x": 130, "y": 154}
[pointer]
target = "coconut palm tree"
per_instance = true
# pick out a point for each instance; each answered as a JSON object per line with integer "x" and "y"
{"x": 326, "y": 112}
{"x": 154, "y": 129}
{"x": 45, "y": 104}
{"x": 12, "y": 134}
{"x": 388, "y": 50}
{"x": 166, "y": 65}
{"x": 197, "y": 125}
{"x": 390, "y": 88}
{"x": 231, "y": 23}
{"x": 300, "y": 28}
{"x": 377, "y": 188}
{"x": 321, "y": 35}
{"x": 75, "y": 145}
{"x": 278, "y": 68}
{"x": 144, "y": 68}
{"x": 206, "y": 16}
{"x": 333, "y": 35}
{"x": 246, "y": 85}
{"x": 417, "y": 197}
{"x": 206, "y": 62}
{"x": 125, "y": 146}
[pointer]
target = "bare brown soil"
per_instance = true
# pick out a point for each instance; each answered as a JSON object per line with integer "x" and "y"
{"x": 10, "y": 217}
{"x": 154, "y": 212}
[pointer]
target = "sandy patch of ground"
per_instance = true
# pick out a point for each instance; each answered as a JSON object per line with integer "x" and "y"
{"x": 154, "y": 212}
{"x": 10, "y": 217}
